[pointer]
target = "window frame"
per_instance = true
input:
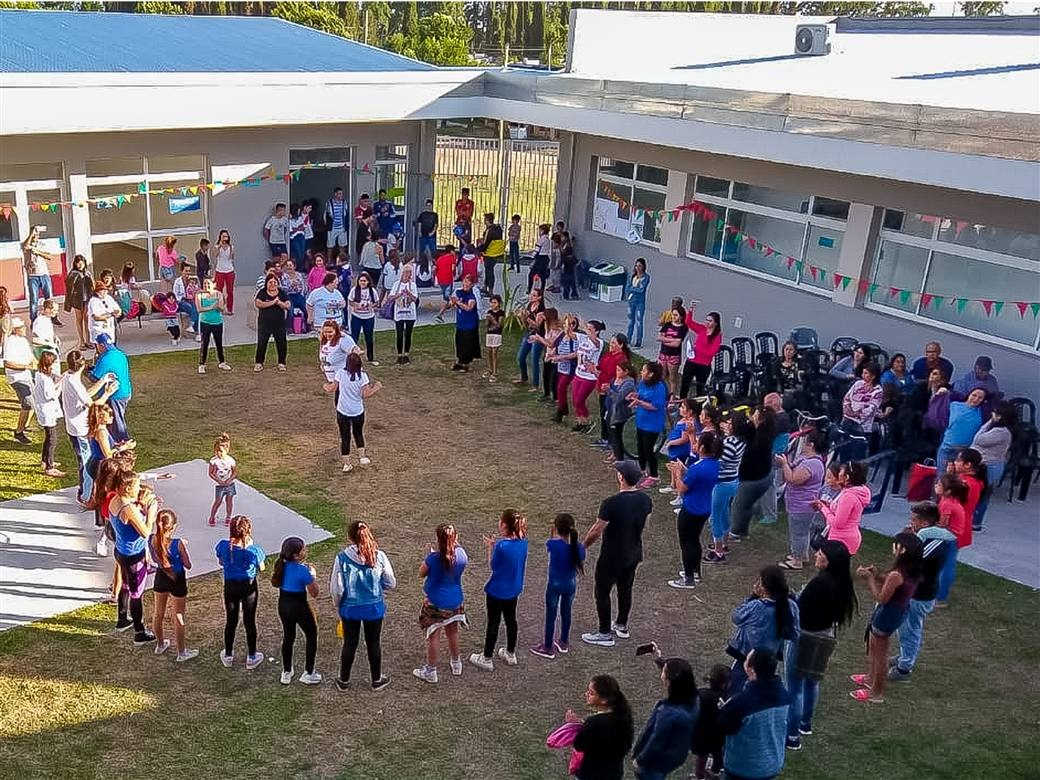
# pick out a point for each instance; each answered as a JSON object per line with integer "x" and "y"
{"x": 933, "y": 245}
{"x": 632, "y": 184}
{"x": 806, "y": 220}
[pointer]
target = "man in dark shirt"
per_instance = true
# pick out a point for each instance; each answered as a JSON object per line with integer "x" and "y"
{"x": 620, "y": 522}
{"x": 427, "y": 225}
{"x": 939, "y": 544}
{"x": 202, "y": 261}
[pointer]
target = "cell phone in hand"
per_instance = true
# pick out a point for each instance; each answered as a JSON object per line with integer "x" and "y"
{"x": 644, "y": 649}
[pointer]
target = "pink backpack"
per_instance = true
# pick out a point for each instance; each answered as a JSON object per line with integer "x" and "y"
{"x": 562, "y": 737}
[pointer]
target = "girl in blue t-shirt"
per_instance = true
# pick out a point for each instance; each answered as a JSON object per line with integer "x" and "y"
{"x": 695, "y": 484}
{"x": 442, "y": 600}
{"x": 566, "y": 560}
{"x": 241, "y": 561}
{"x": 649, "y": 402}
{"x": 507, "y": 557}
{"x": 170, "y": 554}
{"x": 294, "y": 580}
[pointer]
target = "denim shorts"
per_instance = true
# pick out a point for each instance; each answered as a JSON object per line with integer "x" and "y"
{"x": 220, "y": 491}
{"x": 446, "y": 291}
{"x": 24, "y": 393}
{"x": 167, "y": 272}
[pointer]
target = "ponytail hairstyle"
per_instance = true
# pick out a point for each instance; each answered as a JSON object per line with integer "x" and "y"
{"x": 622, "y": 340}
{"x": 447, "y": 538}
{"x": 953, "y": 487}
{"x": 710, "y": 444}
{"x": 74, "y": 361}
{"x": 972, "y": 458}
{"x": 361, "y": 535}
{"x": 515, "y": 523}
{"x": 239, "y": 529}
{"x": 909, "y": 561}
{"x": 165, "y": 525}
{"x": 105, "y": 480}
{"x": 353, "y": 366}
{"x": 607, "y": 688}
{"x": 292, "y": 546}
{"x": 224, "y": 439}
{"x": 564, "y": 526}
{"x": 775, "y": 585}
{"x": 47, "y": 359}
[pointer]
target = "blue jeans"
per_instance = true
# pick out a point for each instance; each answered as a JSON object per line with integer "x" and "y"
{"x": 357, "y": 324}
{"x": 911, "y": 633}
{"x": 81, "y": 449}
{"x": 277, "y": 249}
{"x": 296, "y": 301}
{"x": 721, "y": 496}
{"x": 298, "y": 249}
{"x": 514, "y": 255}
{"x": 535, "y": 351}
{"x": 636, "y": 314}
{"x": 428, "y": 244}
{"x": 39, "y": 290}
{"x": 804, "y": 695}
{"x": 563, "y": 595}
{"x": 188, "y": 308}
{"x": 945, "y": 454}
{"x": 118, "y": 427}
{"x": 946, "y": 577}
{"x": 994, "y": 471}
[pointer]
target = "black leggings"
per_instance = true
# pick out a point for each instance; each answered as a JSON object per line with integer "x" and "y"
{"x": 240, "y": 593}
{"x": 496, "y": 610}
{"x": 645, "y": 441}
{"x": 293, "y": 611}
{"x": 606, "y": 578}
{"x": 695, "y": 374}
{"x": 689, "y": 527}
{"x": 539, "y": 268}
{"x": 264, "y": 332}
{"x": 617, "y": 441}
{"x": 604, "y": 418}
{"x": 351, "y": 638}
{"x": 50, "y": 444}
{"x": 217, "y": 332}
{"x": 348, "y": 425}
{"x": 404, "y": 336}
{"x": 549, "y": 380}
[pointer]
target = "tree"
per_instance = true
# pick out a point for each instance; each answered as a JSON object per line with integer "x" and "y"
{"x": 158, "y": 7}
{"x": 982, "y": 9}
{"x": 320, "y": 17}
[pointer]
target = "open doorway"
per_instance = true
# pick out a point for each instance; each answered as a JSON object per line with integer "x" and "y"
{"x": 315, "y": 174}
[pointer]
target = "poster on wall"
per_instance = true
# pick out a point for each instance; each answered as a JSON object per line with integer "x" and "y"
{"x": 605, "y": 218}
{"x": 187, "y": 203}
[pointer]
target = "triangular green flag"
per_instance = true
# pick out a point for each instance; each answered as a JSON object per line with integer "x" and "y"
{"x": 937, "y": 300}
{"x": 142, "y": 188}
{"x": 997, "y": 306}
{"x": 799, "y": 264}
{"x": 720, "y": 224}
{"x": 1035, "y": 308}
{"x": 845, "y": 282}
{"x": 873, "y": 289}
{"x": 904, "y": 297}
{"x": 961, "y": 304}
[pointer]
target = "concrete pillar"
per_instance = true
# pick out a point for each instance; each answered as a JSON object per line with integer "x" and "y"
{"x": 79, "y": 239}
{"x": 564, "y": 181}
{"x": 857, "y": 247}
{"x": 671, "y": 232}
{"x": 423, "y": 162}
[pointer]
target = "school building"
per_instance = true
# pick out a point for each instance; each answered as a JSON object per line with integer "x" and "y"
{"x": 881, "y": 184}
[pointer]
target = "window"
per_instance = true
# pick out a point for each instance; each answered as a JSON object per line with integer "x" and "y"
{"x": 939, "y": 269}
{"x": 391, "y": 172}
{"x": 794, "y": 237}
{"x": 627, "y": 195}
{"x": 316, "y": 173}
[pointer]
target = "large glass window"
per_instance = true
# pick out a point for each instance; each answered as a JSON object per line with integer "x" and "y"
{"x": 941, "y": 268}
{"x": 784, "y": 235}
{"x": 629, "y": 196}
{"x": 391, "y": 171}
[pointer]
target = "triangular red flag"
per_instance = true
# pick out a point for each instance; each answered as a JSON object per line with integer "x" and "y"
{"x": 813, "y": 270}
{"x": 770, "y": 251}
{"x": 863, "y": 285}
{"x": 988, "y": 306}
{"x": 751, "y": 242}
{"x": 790, "y": 261}
{"x": 1022, "y": 306}
{"x": 926, "y": 298}
{"x": 893, "y": 292}
{"x": 837, "y": 279}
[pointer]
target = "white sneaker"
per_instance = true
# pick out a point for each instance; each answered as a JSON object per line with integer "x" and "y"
{"x": 198, "y": 337}
{"x": 286, "y": 677}
{"x": 456, "y": 666}
{"x": 681, "y": 584}
{"x": 505, "y": 655}
{"x": 191, "y": 329}
{"x": 223, "y": 366}
{"x": 253, "y": 661}
{"x": 186, "y": 655}
{"x": 620, "y": 630}
{"x": 478, "y": 660}
{"x": 376, "y": 364}
{"x": 202, "y": 369}
{"x": 348, "y": 467}
{"x": 666, "y": 489}
{"x": 310, "y": 679}
{"x": 162, "y": 647}
{"x": 227, "y": 660}
{"x": 596, "y": 638}
{"x": 677, "y": 501}
{"x": 173, "y": 342}
{"x": 365, "y": 461}
{"x": 427, "y": 673}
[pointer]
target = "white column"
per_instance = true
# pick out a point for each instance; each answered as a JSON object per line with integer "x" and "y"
{"x": 671, "y": 231}
{"x": 80, "y": 242}
{"x": 856, "y": 247}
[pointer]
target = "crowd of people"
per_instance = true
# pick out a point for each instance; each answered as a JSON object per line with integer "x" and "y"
{"x": 725, "y": 461}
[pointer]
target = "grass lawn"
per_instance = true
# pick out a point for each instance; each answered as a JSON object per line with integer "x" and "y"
{"x": 77, "y": 702}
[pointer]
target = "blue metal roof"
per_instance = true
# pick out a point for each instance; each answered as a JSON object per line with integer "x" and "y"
{"x": 93, "y": 42}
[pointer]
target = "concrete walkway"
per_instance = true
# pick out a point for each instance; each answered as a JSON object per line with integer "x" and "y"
{"x": 48, "y": 560}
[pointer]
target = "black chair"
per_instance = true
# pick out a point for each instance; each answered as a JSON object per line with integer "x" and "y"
{"x": 743, "y": 364}
{"x": 767, "y": 343}
{"x": 815, "y": 363}
{"x": 723, "y": 378}
{"x": 843, "y": 347}
{"x": 878, "y": 353}
{"x": 1023, "y": 462}
{"x": 805, "y": 338}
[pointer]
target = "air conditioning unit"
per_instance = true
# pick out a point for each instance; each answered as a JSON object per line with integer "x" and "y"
{"x": 810, "y": 40}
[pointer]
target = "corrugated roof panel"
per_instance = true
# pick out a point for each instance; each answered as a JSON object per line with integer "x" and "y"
{"x": 69, "y": 41}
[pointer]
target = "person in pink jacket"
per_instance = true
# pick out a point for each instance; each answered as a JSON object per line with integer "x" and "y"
{"x": 707, "y": 337}
{"x": 842, "y": 517}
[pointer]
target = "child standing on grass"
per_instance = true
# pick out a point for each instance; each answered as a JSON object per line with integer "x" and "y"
{"x": 223, "y": 470}
{"x": 241, "y": 561}
{"x": 566, "y": 560}
{"x": 495, "y": 317}
{"x": 171, "y": 313}
{"x": 708, "y": 741}
{"x": 513, "y": 234}
{"x": 294, "y": 580}
{"x": 443, "y": 606}
{"x": 507, "y": 558}
{"x": 170, "y": 554}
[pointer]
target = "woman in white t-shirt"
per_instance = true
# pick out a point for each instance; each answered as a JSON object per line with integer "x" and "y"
{"x": 352, "y": 387}
{"x": 76, "y": 400}
{"x": 362, "y": 303}
{"x": 586, "y": 371}
{"x": 47, "y": 400}
{"x": 405, "y": 295}
{"x": 222, "y": 255}
{"x": 333, "y": 348}
{"x": 102, "y": 311}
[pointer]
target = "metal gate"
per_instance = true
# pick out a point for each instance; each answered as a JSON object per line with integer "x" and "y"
{"x": 514, "y": 177}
